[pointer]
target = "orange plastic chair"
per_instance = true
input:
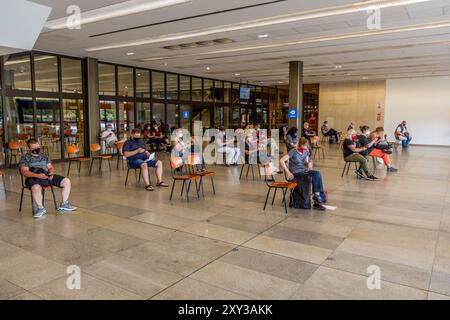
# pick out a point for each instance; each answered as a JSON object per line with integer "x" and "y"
{"x": 119, "y": 147}
{"x": 284, "y": 186}
{"x": 72, "y": 152}
{"x": 95, "y": 149}
{"x": 193, "y": 161}
{"x": 15, "y": 149}
{"x": 176, "y": 164}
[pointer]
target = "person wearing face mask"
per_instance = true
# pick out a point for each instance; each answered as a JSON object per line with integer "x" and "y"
{"x": 300, "y": 166}
{"x": 402, "y": 134}
{"x": 108, "y": 137}
{"x": 353, "y": 152}
{"x": 39, "y": 172}
{"x": 138, "y": 157}
{"x": 379, "y": 149}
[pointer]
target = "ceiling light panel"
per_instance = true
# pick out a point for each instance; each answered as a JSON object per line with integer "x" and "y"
{"x": 114, "y": 11}
{"x": 264, "y": 22}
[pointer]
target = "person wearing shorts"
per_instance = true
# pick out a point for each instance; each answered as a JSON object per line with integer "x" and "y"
{"x": 39, "y": 173}
{"x": 137, "y": 156}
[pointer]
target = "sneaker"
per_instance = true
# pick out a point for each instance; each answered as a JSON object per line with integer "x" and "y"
{"x": 66, "y": 206}
{"x": 372, "y": 178}
{"x": 39, "y": 213}
{"x": 360, "y": 174}
{"x": 392, "y": 169}
{"x": 318, "y": 206}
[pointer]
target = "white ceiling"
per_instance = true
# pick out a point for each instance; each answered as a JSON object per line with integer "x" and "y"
{"x": 384, "y": 56}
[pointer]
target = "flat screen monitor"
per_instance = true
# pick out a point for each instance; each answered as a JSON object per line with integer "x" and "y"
{"x": 245, "y": 93}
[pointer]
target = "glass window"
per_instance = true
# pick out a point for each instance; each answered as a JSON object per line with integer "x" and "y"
{"x": 143, "y": 114}
{"x": 107, "y": 114}
{"x": 208, "y": 90}
{"x": 185, "y": 88}
{"x": 2, "y": 155}
{"x": 17, "y": 75}
{"x": 172, "y": 86}
{"x": 173, "y": 115}
{"x": 158, "y": 89}
{"x": 218, "y": 91}
{"x": 196, "y": 89}
{"x": 227, "y": 92}
{"x": 142, "y": 83}
{"x": 72, "y": 80}
{"x": 186, "y": 114}
{"x": 158, "y": 112}
{"x": 48, "y": 126}
{"x": 19, "y": 118}
{"x": 126, "y": 117}
{"x": 218, "y": 116}
{"x": 106, "y": 79}
{"x": 226, "y": 116}
{"x": 74, "y": 123}
{"x": 46, "y": 73}
{"x": 235, "y": 93}
{"x": 126, "y": 86}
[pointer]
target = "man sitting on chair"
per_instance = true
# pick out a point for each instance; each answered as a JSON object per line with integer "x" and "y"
{"x": 138, "y": 157}
{"x": 39, "y": 172}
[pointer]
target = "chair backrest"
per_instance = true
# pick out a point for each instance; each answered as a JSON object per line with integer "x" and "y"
{"x": 176, "y": 162}
{"x": 72, "y": 150}
{"x": 15, "y": 145}
{"x": 22, "y": 136}
{"x": 95, "y": 147}
{"x": 119, "y": 147}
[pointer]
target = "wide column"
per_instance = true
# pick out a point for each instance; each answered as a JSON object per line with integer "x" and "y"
{"x": 92, "y": 97}
{"x": 295, "y": 94}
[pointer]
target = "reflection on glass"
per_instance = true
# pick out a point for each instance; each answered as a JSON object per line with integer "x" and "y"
{"x": 208, "y": 90}
{"x": 143, "y": 114}
{"x": 142, "y": 83}
{"x": 158, "y": 88}
{"x": 172, "y": 86}
{"x": 226, "y": 116}
{"x": 48, "y": 126}
{"x": 107, "y": 114}
{"x": 218, "y": 91}
{"x": 74, "y": 123}
{"x": 218, "y": 116}
{"x": 185, "y": 88}
{"x": 186, "y": 113}
{"x": 196, "y": 89}
{"x": 158, "y": 112}
{"x": 106, "y": 79}
{"x": 71, "y": 70}
{"x": 46, "y": 73}
{"x": 172, "y": 115}
{"x": 227, "y": 92}
{"x": 126, "y": 117}
{"x": 17, "y": 75}
{"x": 125, "y": 77}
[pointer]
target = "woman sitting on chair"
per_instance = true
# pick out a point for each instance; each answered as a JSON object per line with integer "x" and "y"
{"x": 300, "y": 165}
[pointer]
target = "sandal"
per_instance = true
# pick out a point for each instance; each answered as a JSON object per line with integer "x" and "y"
{"x": 149, "y": 188}
{"x": 162, "y": 184}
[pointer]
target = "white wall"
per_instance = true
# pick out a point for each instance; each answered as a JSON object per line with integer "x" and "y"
{"x": 425, "y": 104}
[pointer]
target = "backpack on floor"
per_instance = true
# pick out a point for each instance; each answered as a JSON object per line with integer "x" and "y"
{"x": 301, "y": 196}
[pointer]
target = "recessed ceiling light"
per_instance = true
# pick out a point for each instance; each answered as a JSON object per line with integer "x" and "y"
{"x": 262, "y": 36}
{"x": 237, "y": 74}
{"x": 165, "y": 64}
{"x": 258, "y": 23}
{"x": 338, "y": 67}
{"x": 365, "y": 78}
{"x": 113, "y": 11}
{"x": 138, "y": 74}
{"x": 280, "y": 82}
{"x": 208, "y": 68}
{"x": 130, "y": 53}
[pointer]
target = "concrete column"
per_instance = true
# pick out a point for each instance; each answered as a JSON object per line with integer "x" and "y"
{"x": 92, "y": 97}
{"x": 296, "y": 92}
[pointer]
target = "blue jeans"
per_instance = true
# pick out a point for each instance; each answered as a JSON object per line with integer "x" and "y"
{"x": 135, "y": 164}
{"x": 406, "y": 142}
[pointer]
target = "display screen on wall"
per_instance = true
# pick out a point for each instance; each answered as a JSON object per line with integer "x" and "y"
{"x": 245, "y": 93}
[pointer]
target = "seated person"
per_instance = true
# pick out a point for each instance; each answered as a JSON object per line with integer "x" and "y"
{"x": 330, "y": 132}
{"x": 300, "y": 164}
{"x": 256, "y": 154}
{"x": 138, "y": 157}
{"x": 354, "y": 153}
{"x": 381, "y": 149}
{"x": 402, "y": 134}
{"x": 351, "y": 129}
{"x": 156, "y": 138}
{"x": 39, "y": 172}
{"x": 309, "y": 135}
{"x": 108, "y": 137}
{"x": 291, "y": 139}
{"x": 226, "y": 145}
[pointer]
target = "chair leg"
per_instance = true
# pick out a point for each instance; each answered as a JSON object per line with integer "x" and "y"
{"x": 242, "y": 170}
{"x": 173, "y": 187}
{"x": 343, "y": 171}
{"x": 21, "y": 200}
{"x": 182, "y": 188}
{"x": 253, "y": 173}
{"x": 213, "y": 187}
{"x": 248, "y": 170}
{"x": 91, "y": 165}
{"x": 188, "y": 187}
{"x": 348, "y": 168}
{"x": 100, "y": 165}
{"x": 4, "y": 186}
{"x": 284, "y": 200}
{"x": 68, "y": 170}
{"x": 267, "y": 198}
{"x": 109, "y": 164}
{"x": 54, "y": 198}
{"x": 79, "y": 167}
{"x": 126, "y": 179}
{"x": 273, "y": 199}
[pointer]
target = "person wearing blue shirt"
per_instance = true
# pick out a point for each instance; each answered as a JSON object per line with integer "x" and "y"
{"x": 138, "y": 157}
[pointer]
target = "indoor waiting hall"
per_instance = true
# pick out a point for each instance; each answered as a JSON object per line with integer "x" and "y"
{"x": 250, "y": 150}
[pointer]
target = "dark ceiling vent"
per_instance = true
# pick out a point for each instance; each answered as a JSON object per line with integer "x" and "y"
{"x": 199, "y": 44}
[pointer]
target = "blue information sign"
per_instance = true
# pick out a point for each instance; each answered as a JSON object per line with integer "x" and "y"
{"x": 186, "y": 114}
{"x": 292, "y": 114}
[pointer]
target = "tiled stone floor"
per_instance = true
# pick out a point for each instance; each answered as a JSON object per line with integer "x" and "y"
{"x": 132, "y": 244}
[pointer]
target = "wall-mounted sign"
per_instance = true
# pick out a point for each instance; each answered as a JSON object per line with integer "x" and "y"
{"x": 293, "y": 114}
{"x": 185, "y": 114}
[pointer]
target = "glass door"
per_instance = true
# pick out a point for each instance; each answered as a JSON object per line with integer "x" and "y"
{"x": 48, "y": 126}
{"x": 107, "y": 114}
{"x": 73, "y": 113}
{"x": 126, "y": 118}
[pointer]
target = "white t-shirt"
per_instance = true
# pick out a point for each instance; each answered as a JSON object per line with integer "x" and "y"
{"x": 109, "y": 136}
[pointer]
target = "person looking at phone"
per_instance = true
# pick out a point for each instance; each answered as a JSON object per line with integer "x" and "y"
{"x": 39, "y": 172}
{"x": 138, "y": 157}
{"x": 300, "y": 165}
